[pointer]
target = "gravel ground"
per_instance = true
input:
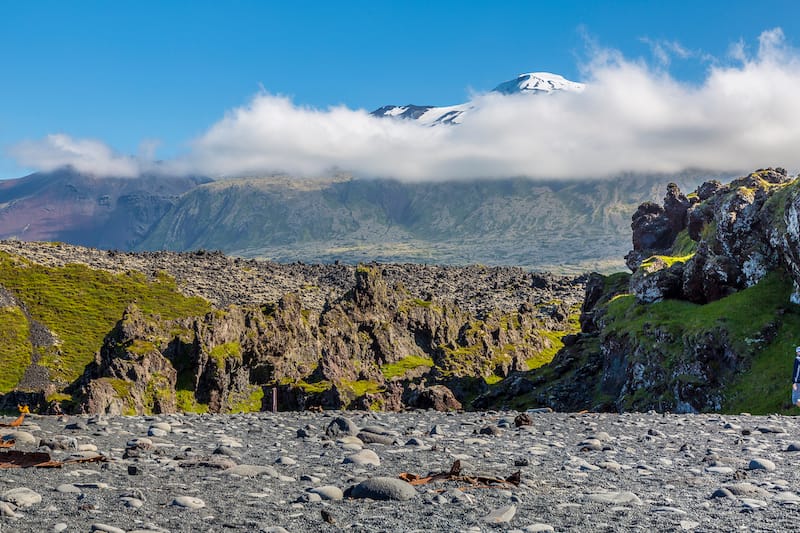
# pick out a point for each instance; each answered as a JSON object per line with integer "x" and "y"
{"x": 287, "y": 472}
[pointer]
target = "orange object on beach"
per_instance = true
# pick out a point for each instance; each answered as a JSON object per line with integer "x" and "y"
{"x": 23, "y": 410}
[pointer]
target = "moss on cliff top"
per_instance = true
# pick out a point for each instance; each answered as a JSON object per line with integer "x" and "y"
{"x": 81, "y": 305}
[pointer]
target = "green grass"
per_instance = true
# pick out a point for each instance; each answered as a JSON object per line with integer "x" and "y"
{"x": 764, "y": 386}
{"x": 668, "y": 260}
{"x": 250, "y": 403}
{"x": 406, "y": 305}
{"x": 399, "y": 368}
{"x": 554, "y": 338}
{"x": 15, "y": 348}
{"x": 222, "y": 352}
{"x": 81, "y": 305}
{"x": 187, "y": 403}
{"x": 316, "y": 387}
{"x": 743, "y": 313}
{"x": 493, "y": 379}
{"x": 362, "y": 387}
{"x": 546, "y": 356}
{"x": 683, "y": 245}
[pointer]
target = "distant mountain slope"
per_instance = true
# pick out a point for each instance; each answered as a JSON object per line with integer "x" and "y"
{"x": 567, "y": 227}
{"x": 103, "y": 212}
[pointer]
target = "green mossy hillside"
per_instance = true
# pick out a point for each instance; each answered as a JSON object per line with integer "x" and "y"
{"x": 80, "y": 305}
{"x": 758, "y": 325}
{"x": 15, "y": 348}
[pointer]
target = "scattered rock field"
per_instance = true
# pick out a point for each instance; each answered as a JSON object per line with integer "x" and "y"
{"x": 331, "y": 471}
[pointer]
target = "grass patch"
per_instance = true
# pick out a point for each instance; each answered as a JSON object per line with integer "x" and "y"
{"x": 407, "y": 305}
{"x": 81, "y": 305}
{"x": 251, "y": 403}
{"x": 222, "y": 352}
{"x": 667, "y": 260}
{"x": 546, "y": 356}
{"x": 15, "y": 348}
{"x": 362, "y": 387}
{"x": 316, "y": 387}
{"x": 761, "y": 389}
{"x": 683, "y": 245}
{"x": 187, "y": 403}
{"x": 399, "y": 368}
{"x": 493, "y": 379}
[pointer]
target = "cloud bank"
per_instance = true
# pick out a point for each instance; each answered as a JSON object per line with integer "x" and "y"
{"x": 632, "y": 117}
{"x": 84, "y": 155}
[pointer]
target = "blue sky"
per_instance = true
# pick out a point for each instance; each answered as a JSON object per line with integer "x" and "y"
{"x": 125, "y": 73}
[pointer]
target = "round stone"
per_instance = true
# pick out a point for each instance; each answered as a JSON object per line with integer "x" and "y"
{"x": 328, "y": 492}
{"x": 340, "y": 426}
{"x": 503, "y": 515}
{"x": 189, "y": 502}
{"x": 615, "y": 498}
{"x": 364, "y": 457}
{"x": 22, "y": 497}
{"x": 383, "y": 488}
{"x": 106, "y": 528}
{"x": 762, "y": 464}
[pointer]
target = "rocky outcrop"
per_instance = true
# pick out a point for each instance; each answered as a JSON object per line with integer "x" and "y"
{"x": 375, "y": 347}
{"x": 734, "y": 234}
{"x": 130, "y": 374}
{"x": 740, "y": 235}
{"x": 714, "y": 273}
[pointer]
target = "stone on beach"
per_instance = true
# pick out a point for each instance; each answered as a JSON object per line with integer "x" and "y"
{"x": 382, "y": 488}
{"x": 21, "y": 497}
{"x": 615, "y": 498}
{"x": 189, "y": 502}
{"x": 364, "y": 457}
{"x": 503, "y": 515}
{"x": 341, "y": 426}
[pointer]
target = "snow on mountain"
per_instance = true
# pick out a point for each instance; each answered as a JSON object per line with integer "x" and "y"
{"x": 538, "y": 82}
{"x": 531, "y": 83}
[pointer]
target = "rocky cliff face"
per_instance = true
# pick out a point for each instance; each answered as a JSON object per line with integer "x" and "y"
{"x": 707, "y": 320}
{"x": 375, "y": 347}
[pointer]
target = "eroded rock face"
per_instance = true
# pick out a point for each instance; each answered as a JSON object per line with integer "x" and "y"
{"x": 337, "y": 358}
{"x": 737, "y": 228}
{"x": 655, "y": 227}
{"x": 130, "y": 374}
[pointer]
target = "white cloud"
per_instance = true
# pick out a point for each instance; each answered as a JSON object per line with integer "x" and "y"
{"x": 84, "y": 155}
{"x": 632, "y": 117}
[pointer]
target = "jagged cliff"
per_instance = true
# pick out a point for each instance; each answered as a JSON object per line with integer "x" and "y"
{"x": 157, "y": 332}
{"x": 707, "y": 320}
{"x": 375, "y": 347}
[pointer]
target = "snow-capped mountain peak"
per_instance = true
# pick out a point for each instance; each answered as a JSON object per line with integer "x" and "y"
{"x": 531, "y": 83}
{"x": 538, "y": 82}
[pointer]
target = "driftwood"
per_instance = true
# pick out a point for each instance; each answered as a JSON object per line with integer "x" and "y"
{"x": 454, "y": 474}
{"x": 19, "y": 459}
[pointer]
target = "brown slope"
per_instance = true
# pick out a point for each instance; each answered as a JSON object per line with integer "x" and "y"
{"x": 68, "y": 206}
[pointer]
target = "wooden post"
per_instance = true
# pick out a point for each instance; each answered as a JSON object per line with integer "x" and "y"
{"x": 274, "y": 399}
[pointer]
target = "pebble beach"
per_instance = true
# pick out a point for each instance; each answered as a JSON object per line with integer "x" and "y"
{"x": 304, "y": 471}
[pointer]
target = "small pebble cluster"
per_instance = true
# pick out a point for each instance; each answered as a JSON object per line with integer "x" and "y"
{"x": 302, "y": 472}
